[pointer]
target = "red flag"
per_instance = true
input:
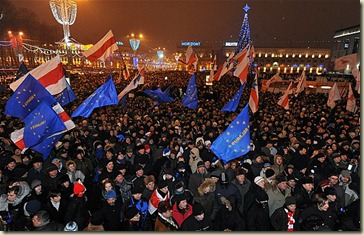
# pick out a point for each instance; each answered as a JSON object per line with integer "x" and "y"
{"x": 344, "y": 61}
{"x": 284, "y": 101}
{"x": 334, "y": 95}
{"x": 190, "y": 55}
{"x": 102, "y": 49}
{"x": 301, "y": 84}
{"x": 50, "y": 75}
{"x": 254, "y": 95}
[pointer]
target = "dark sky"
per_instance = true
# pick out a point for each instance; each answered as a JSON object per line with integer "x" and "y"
{"x": 164, "y": 23}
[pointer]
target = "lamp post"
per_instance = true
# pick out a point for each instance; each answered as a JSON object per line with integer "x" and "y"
{"x": 134, "y": 41}
{"x": 17, "y": 43}
{"x": 160, "y": 53}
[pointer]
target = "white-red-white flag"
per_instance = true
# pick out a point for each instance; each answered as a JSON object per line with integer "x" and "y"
{"x": 275, "y": 78}
{"x": 254, "y": 95}
{"x": 18, "y": 136}
{"x": 226, "y": 67}
{"x": 241, "y": 55}
{"x": 102, "y": 49}
{"x": 242, "y": 69}
{"x": 49, "y": 74}
{"x": 137, "y": 80}
{"x": 356, "y": 74}
{"x": 284, "y": 100}
{"x": 334, "y": 95}
{"x": 301, "y": 84}
{"x": 214, "y": 64}
{"x": 190, "y": 56}
{"x": 351, "y": 102}
{"x": 345, "y": 61}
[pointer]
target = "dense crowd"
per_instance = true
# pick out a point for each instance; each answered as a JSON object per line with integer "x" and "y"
{"x": 149, "y": 167}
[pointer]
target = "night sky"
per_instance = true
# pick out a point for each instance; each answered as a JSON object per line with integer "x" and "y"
{"x": 273, "y": 23}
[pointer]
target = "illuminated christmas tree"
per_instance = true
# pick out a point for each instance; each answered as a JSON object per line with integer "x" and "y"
{"x": 244, "y": 35}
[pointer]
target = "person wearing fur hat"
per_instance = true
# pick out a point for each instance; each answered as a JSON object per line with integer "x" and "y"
{"x": 150, "y": 185}
{"x": 96, "y": 223}
{"x": 278, "y": 193}
{"x": 165, "y": 221}
{"x": 285, "y": 213}
{"x": 77, "y": 209}
{"x": 206, "y": 197}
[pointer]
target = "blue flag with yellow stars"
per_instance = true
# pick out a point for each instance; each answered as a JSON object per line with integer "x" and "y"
{"x": 235, "y": 140}
{"x": 159, "y": 95}
{"x": 66, "y": 96}
{"x": 232, "y": 105}
{"x": 104, "y": 95}
{"x": 27, "y": 97}
{"x": 41, "y": 123}
{"x": 21, "y": 71}
{"x": 190, "y": 100}
{"x": 46, "y": 146}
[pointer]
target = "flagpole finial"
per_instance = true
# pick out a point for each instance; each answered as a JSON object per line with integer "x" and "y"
{"x": 246, "y": 8}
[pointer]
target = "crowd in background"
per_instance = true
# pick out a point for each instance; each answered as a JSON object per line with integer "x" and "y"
{"x": 148, "y": 167}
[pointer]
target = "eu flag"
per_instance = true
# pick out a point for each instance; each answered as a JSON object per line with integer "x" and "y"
{"x": 27, "y": 97}
{"x": 232, "y": 105}
{"x": 103, "y": 96}
{"x": 21, "y": 71}
{"x": 46, "y": 146}
{"x": 66, "y": 96}
{"x": 41, "y": 123}
{"x": 190, "y": 100}
{"x": 158, "y": 95}
{"x": 235, "y": 140}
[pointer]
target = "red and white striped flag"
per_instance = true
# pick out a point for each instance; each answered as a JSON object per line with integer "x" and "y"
{"x": 102, "y": 49}
{"x": 301, "y": 84}
{"x": 344, "y": 93}
{"x": 344, "y": 61}
{"x": 254, "y": 95}
{"x": 214, "y": 64}
{"x": 226, "y": 67}
{"x": 284, "y": 101}
{"x": 18, "y": 136}
{"x": 241, "y": 55}
{"x": 334, "y": 95}
{"x": 275, "y": 78}
{"x": 351, "y": 102}
{"x": 242, "y": 69}
{"x": 190, "y": 55}
{"x": 49, "y": 74}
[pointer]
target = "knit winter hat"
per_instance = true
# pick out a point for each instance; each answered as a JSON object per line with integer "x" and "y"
{"x": 131, "y": 212}
{"x": 330, "y": 191}
{"x": 258, "y": 179}
{"x": 79, "y": 189}
{"x": 198, "y": 209}
{"x": 162, "y": 184}
{"x": 240, "y": 171}
{"x": 166, "y": 152}
{"x": 345, "y": 173}
{"x": 200, "y": 164}
{"x": 35, "y": 183}
{"x": 137, "y": 189}
{"x": 289, "y": 201}
{"x": 32, "y": 206}
{"x": 269, "y": 173}
{"x": 111, "y": 194}
{"x": 71, "y": 227}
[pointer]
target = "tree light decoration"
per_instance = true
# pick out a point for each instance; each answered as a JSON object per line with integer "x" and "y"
{"x": 64, "y": 11}
{"x": 244, "y": 35}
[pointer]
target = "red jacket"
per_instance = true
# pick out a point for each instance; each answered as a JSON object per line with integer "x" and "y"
{"x": 178, "y": 216}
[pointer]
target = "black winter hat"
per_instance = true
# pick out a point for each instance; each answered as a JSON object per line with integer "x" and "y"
{"x": 198, "y": 209}
{"x": 289, "y": 201}
{"x": 261, "y": 195}
{"x": 131, "y": 212}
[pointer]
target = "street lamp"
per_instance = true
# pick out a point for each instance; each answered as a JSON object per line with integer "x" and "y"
{"x": 17, "y": 43}
{"x": 134, "y": 44}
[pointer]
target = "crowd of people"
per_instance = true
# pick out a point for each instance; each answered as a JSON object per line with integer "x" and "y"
{"x": 149, "y": 167}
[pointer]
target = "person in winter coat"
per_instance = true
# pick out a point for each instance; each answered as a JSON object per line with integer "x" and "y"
{"x": 286, "y": 217}
{"x": 303, "y": 192}
{"x": 257, "y": 218}
{"x": 95, "y": 224}
{"x": 197, "y": 221}
{"x": 165, "y": 221}
{"x": 243, "y": 185}
{"x": 197, "y": 177}
{"x": 317, "y": 216}
{"x": 77, "y": 210}
{"x": 278, "y": 166}
{"x": 181, "y": 209}
{"x": 41, "y": 222}
{"x": 206, "y": 197}
{"x": 56, "y": 206}
{"x": 111, "y": 212}
{"x": 228, "y": 217}
{"x": 194, "y": 159}
{"x": 225, "y": 189}
{"x": 278, "y": 193}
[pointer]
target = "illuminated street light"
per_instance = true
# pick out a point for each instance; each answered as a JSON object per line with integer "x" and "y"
{"x": 134, "y": 44}
{"x": 64, "y": 11}
{"x": 17, "y": 43}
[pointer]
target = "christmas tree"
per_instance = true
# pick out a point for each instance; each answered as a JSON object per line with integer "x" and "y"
{"x": 244, "y": 35}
